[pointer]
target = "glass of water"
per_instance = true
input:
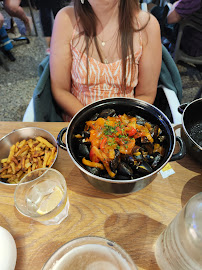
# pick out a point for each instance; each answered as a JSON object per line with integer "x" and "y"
{"x": 179, "y": 247}
{"x": 42, "y": 196}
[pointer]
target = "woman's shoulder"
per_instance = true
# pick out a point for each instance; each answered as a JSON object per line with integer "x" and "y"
{"x": 147, "y": 20}
{"x": 149, "y": 23}
{"x": 67, "y": 15}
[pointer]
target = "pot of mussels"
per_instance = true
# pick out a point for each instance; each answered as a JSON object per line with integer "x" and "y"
{"x": 120, "y": 144}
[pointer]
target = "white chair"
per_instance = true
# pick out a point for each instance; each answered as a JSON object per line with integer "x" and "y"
{"x": 29, "y": 113}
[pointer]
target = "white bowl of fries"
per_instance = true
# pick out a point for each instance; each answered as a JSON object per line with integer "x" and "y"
{"x": 24, "y": 150}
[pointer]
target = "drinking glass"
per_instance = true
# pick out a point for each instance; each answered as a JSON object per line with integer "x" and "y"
{"x": 89, "y": 253}
{"x": 179, "y": 247}
{"x": 42, "y": 196}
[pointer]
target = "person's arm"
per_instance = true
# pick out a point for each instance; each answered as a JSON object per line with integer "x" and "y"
{"x": 61, "y": 61}
{"x": 150, "y": 62}
{"x": 173, "y": 16}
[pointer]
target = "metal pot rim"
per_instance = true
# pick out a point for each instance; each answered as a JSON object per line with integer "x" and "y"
{"x": 183, "y": 124}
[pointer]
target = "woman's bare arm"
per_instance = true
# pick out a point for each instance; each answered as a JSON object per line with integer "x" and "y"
{"x": 150, "y": 62}
{"x": 61, "y": 61}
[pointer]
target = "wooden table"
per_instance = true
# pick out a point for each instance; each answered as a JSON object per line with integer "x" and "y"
{"x": 133, "y": 221}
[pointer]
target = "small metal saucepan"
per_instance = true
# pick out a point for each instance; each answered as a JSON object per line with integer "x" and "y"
{"x": 18, "y": 135}
{"x": 121, "y": 106}
{"x": 192, "y": 127}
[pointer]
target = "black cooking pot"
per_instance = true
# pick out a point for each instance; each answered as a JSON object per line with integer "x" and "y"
{"x": 192, "y": 127}
{"x": 121, "y": 106}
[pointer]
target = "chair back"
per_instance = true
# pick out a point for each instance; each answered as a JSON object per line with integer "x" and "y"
{"x": 194, "y": 21}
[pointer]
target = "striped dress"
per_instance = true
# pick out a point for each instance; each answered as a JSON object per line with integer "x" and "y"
{"x": 104, "y": 80}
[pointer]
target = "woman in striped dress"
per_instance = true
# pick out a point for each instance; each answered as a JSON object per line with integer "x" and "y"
{"x": 102, "y": 49}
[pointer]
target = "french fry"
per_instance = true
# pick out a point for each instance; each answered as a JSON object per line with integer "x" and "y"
{"x": 40, "y": 139}
{"x": 14, "y": 159}
{"x": 24, "y": 148}
{"x": 12, "y": 164}
{"x": 12, "y": 151}
{"x": 4, "y": 160}
{"x": 22, "y": 143}
{"x": 51, "y": 158}
{"x": 46, "y": 157}
{"x": 26, "y": 156}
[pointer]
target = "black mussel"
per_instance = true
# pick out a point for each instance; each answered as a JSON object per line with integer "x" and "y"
{"x": 107, "y": 112}
{"x": 85, "y": 134}
{"x": 140, "y": 120}
{"x": 124, "y": 169}
{"x": 154, "y": 132}
{"x": 148, "y": 148}
{"x": 83, "y": 150}
{"x": 128, "y": 159}
{"x": 135, "y": 149}
{"x": 106, "y": 175}
{"x": 94, "y": 117}
{"x": 132, "y": 113}
{"x": 138, "y": 156}
{"x": 149, "y": 158}
{"x": 115, "y": 162}
{"x": 156, "y": 160}
{"x": 144, "y": 168}
{"x": 93, "y": 170}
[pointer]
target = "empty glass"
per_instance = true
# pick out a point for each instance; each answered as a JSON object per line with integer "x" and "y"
{"x": 42, "y": 196}
{"x": 179, "y": 247}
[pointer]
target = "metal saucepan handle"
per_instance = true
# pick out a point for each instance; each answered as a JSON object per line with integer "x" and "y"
{"x": 182, "y": 107}
{"x": 59, "y": 139}
{"x": 182, "y": 151}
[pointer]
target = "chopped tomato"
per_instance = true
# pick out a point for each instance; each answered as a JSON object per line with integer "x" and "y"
{"x": 132, "y": 132}
{"x": 93, "y": 156}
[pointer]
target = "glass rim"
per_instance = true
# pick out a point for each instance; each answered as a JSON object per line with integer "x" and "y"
{"x": 83, "y": 238}
{"x": 21, "y": 183}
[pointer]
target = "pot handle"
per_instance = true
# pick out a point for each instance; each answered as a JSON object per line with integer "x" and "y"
{"x": 182, "y": 107}
{"x": 182, "y": 151}
{"x": 59, "y": 138}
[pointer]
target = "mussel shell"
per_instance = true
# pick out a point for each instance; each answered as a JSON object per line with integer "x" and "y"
{"x": 83, "y": 150}
{"x": 107, "y": 112}
{"x": 128, "y": 159}
{"x": 154, "y": 132}
{"x": 148, "y": 148}
{"x": 140, "y": 120}
{"x": 93, "y": 170}
{"x": 124, "y": 169}
{"x": 95, "y": 117}
{"x": 156, "y": 160}
{"x": 115, "y": 162}
{"x": 144, "y": 168}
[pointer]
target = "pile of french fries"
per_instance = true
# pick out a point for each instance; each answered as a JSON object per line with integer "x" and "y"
{"x": 26, "y": 156}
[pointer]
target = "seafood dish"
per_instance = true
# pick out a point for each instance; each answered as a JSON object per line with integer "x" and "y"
{"x": 120, "y": 146}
